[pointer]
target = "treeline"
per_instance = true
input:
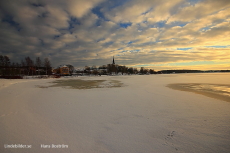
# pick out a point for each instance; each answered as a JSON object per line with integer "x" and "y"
{"x": 180, "y": 71}
{"x": 26, "y": 67}
{"x": 190, "y": 71}
{"x": 112, "y": 69}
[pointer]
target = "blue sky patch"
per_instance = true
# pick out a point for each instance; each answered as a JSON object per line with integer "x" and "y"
{"x": 188, "y": 48}
{"x": 130, "y": 42}
{"x": 160, "y": 24}
{"x": 10, "y": 20}
{"x": 144, "y": 65}
{"x": 194, "y": 1}
{"x": 72, "y": 22}
{"x": 134, "y": 51}
{"x": 108, "y": 44}
{"x": 146, "y": 12}
{"x": 124, "y": 51}
{"x": 181, "y": 24}
{"x": 205, "y": 28}
{"x": 125, "y": 25}
{"x": 117, "y": 3}
{"x": 97, "y": 11}
{"x": 218, "y": 46}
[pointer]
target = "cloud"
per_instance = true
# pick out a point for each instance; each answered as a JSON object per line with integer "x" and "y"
{"x": 148, "y": 32}
{"x": 199, "y": 10}
{"x": 147, "y": 10}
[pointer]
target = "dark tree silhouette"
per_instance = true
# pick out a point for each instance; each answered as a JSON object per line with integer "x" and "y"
{"x": 1, "y": 60}
{"x": 38, "y": 62}
{"x": 30, "y": 65}
{"x": 29, "y": 61}
{"x": 71, "y": 68}
{"x": 47, "y": 65}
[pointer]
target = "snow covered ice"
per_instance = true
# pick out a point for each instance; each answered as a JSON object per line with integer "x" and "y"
{"x": 142, "y": 115}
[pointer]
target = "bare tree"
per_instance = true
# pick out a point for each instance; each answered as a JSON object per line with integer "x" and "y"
{"x": 71, "y": 68}
{"x": 6, "y": 61}
{"x": 38, "y": 64}
{"x": 47, "y": 65}
{"x": 23, "y": 63}
{"x": 29, "y": 61}
{"x": 1, "y": 60}
{"x": 29, "y": 64}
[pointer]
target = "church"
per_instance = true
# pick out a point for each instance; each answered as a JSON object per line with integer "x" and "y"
{"x": 112, "y": 68}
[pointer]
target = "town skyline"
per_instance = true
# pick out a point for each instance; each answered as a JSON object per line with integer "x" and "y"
{"x": 159, "y": 35}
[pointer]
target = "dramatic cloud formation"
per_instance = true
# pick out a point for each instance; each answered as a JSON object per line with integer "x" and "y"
{"x": 178, "y": 34}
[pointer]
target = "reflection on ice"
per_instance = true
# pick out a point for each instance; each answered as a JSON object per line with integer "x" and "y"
{"x": 216, "y": 88}
{"x": 219, "y": 91}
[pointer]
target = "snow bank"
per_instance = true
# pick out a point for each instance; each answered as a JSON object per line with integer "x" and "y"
{"x": 143, "y": 116}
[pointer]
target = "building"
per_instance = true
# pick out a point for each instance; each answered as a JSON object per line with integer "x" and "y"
{"x": 64, "y": 70}
{"x": 112, "y": 68}
{"x": 113, "y": 61}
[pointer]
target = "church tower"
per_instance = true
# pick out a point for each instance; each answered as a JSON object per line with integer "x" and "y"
{"x": 113, "y": 61}
{"x": 112, "y": 68}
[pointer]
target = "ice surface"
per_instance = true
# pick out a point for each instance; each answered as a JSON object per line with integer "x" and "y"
{"x": 219, "y": 91}
{"x": 141, "y": 116}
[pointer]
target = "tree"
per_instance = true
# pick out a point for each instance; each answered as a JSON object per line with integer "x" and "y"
{"x": 151, "y": 71}
{"x": 135, "y": 71}
{"x": 87, "y": 69}
{"x": 30, "y": 65}
{"x": 112, "y": 68}
{"x": 1, "y": 60}
{"x": 103, "y": 67}
{"x": 6, "y": 61}
{"x": 71, "y": 68}
{"x": 142, "y": 70}
{"x": 95, "y": 72}
{"x": 146, "y": 71}
{"x": 17, "y": 64}
{"x": 124, "y": 69}
{"x": 38, "y": 62}
{"x": 23, "y": 63}
{"x": 13, "y": 64}
{"x": 94, "y": 67}
{"x": 47, "y": 65}
{"x": 29, "y": 61}
{"x": 109, "y": 68}
{"x": 130, "y": 70}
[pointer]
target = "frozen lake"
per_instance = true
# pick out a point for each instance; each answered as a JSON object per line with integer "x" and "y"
{"x": 119, "y": 114}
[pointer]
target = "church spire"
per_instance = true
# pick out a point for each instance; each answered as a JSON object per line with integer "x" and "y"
{"x": 113, "y": 60}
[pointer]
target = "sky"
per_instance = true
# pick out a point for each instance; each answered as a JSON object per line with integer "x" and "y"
{"x": 166, "y": 34}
